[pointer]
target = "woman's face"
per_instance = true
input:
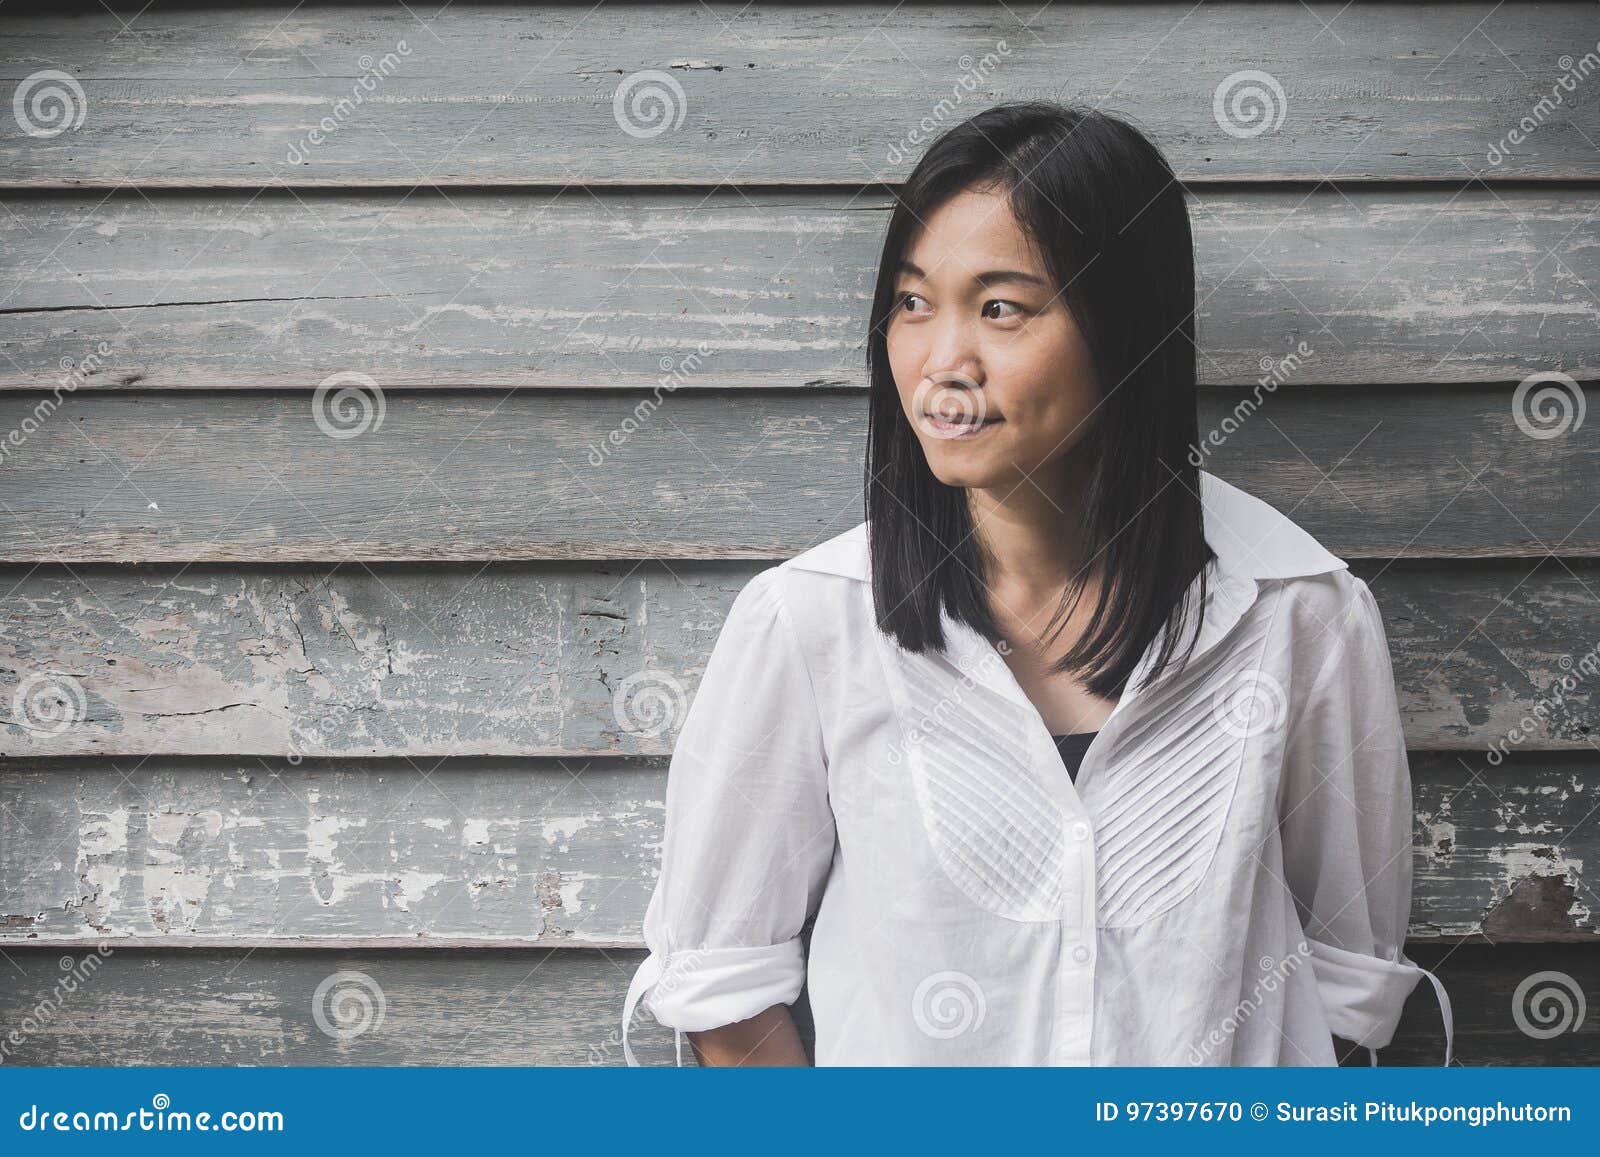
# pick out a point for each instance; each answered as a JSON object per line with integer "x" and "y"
{"x": 992, "y": 371}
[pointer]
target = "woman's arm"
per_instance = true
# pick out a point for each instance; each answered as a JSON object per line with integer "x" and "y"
{"x": 768, "y": 1038}
{"x": 748, "y": 845}
{"x": 1347, "y": 822}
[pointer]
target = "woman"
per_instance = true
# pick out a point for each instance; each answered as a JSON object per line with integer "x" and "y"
{"x": 886, "y": 741}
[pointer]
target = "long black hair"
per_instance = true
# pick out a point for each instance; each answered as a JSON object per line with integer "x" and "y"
{"x": 1109, "y": 218}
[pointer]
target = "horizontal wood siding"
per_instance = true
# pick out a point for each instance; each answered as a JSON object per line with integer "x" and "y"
{"x": 535, "y": 659}
{"x": 552, "y": 852}
{"x": 790, "y": 93}
{"x": 556, "y": 1006}
{"x": 361, "y": 703}
{"x": 675, "y": 291}
{"x": 1445, "y": 472}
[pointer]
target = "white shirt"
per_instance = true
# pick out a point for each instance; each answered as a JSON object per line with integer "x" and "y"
{"x": 1227, "y": 883}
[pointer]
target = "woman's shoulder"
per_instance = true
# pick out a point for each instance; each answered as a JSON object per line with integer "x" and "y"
{"x": 844, "y": 555}
{"x": 818, "y": 591}
{"x": 1326, "y": 618}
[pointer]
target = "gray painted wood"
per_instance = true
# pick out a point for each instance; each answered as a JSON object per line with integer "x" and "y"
{"x": 545, "y": 659}
{"x": 555, "y": 1007}
{"x": 672, "y": 291}
{"x": 561, "y": 852}
{"x": 191, "y": 477}
{"x": 551, "y": 852}
{"x": 1406, "y": 294}
{"x": 777, "y": 93}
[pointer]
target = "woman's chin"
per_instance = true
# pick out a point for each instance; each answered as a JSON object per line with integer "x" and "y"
{"x": 971, "y": 471}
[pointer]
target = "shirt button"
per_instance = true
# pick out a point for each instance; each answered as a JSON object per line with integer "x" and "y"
{"x": 1080, "y": 830}
{"x": 1081, "y": 954}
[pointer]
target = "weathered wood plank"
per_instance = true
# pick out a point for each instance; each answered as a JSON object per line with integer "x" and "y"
{"x": 562, "y": 1007}
{"x": 537, "y": 659}
{"x": 551, "y": 853}
{"x": 193, "y": 477}
{"x": 777, "y": 93}
{"x": 675, "y": 291}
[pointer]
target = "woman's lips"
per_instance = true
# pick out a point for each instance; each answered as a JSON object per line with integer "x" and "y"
{"x": 963, "y": 427}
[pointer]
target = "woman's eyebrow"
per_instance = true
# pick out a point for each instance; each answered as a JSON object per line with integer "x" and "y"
{"x": 987, "y": 278}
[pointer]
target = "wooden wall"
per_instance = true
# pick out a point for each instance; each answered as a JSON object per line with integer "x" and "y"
{"x": 380, "y": 704}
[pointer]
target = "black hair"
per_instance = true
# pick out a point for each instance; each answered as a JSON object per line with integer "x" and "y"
{"x": 1108, "y": 217}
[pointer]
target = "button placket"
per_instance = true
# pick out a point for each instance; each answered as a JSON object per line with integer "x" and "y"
{"x": 1071, "y": 1032}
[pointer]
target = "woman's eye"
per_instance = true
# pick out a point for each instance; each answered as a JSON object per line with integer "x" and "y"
{"x": 996, "y": 302}
{"x": 905, "y": 299}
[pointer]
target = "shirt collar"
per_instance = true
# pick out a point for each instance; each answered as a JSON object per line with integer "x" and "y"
{"x": 1251, "y": 539}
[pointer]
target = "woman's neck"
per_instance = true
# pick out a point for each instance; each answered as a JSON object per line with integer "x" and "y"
{"x": 1030, "y": 535}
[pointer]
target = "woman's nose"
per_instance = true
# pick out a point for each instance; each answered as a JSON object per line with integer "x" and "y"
{"x": 951, "y": 352}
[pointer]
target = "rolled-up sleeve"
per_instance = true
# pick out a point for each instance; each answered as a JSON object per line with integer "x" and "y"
{"x": 749, "y": 834}
{"x": 1346, "y": 825}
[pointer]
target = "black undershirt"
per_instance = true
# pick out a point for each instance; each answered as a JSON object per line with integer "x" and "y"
{"x": 1072, "y": 747}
